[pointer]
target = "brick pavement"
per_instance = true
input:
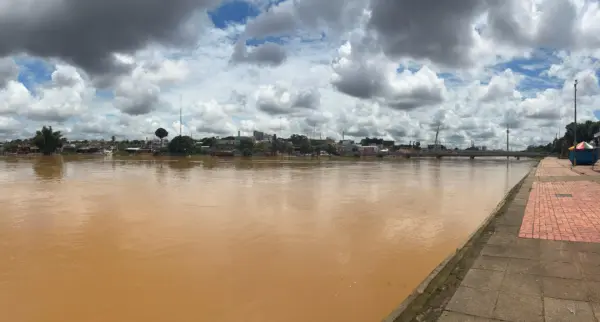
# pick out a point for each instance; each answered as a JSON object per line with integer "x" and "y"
{"x": 547, "y": 276}
{"x": 563, "y": 211}
{"x": 553, "y": 167}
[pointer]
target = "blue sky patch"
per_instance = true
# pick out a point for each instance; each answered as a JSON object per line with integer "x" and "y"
{"x": 33, "y": 71}
{"x": 233, "y": 12}
{"x": 105, "y": 94}
{"x": 258, "y": 42}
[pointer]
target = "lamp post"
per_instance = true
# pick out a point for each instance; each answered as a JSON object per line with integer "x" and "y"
{"x": 507, "y": 146}
{"x": 575, "y": 125}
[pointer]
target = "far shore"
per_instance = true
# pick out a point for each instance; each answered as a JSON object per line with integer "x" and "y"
{"x": 197, "y": 157}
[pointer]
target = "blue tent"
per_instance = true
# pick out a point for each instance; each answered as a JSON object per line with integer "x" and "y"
{"x": 583, "y": 154}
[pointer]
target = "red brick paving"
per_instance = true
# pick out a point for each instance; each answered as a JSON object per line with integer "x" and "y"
{"x": 587, "y": 170}
{"x": 554, "y": 167}
{"x": 574, "y": 218}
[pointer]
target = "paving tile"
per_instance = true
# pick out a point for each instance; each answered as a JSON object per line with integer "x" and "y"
{"x": 525, "y": 252}
{"x": 499, "y": 238}
{"x": 483, "y": 279}
{"x": 519, "y": 308}
{"x": 511, "y": 251}
{"x": 524, "y": 266}
{"x": 514, "y": 230}
{"x": 547, "y": 245}
{"x": 558, "y": 310}
{"x": 567, "y": 289}
{"x": 527, "y": 243}
{"x": 586, "y": 247}
{"x": 522, "y": 284}
{"x": 510, "y": 219}
{"x": 560, "y": 269}
{"x": 548, "y": 254}
{"x": 448, "y": 316}
{"x": 596, "y": 309}
{"x": 590, "y": 271}
{"x": 593, "y": 289}
{"x": 589, "y": 258}
{"x": 491, "y": 263}
{"x": 473, "y": 302}
{"x": 495, "y": 250}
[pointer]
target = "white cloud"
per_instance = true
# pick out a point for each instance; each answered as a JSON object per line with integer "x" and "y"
{"x": 371, "y": 74}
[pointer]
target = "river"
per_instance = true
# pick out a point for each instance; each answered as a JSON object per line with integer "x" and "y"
{"x": 99, "y": 239}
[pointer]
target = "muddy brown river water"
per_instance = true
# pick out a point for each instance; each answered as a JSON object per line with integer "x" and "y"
{"x": 106, "y": 240}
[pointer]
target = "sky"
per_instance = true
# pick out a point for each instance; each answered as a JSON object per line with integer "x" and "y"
{"x": 338, "y": 68}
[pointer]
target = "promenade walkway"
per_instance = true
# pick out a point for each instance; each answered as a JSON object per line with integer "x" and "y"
{"x": 542, "y": 262}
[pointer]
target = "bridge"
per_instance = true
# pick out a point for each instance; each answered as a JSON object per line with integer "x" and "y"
{"x": 469, "y": 153}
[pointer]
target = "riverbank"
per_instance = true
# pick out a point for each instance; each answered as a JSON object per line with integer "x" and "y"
{"x": 535, "y": 259}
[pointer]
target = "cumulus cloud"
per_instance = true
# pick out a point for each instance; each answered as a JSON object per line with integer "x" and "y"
{"x": 8, "y": 71}
{"x": 87, "y": 33}
{"x": 426, "y": 29}
{"x": 502, "y": 86}
{"x": 288, "y": 17}
{"x": 269, "y": 54}
{"x": 370, "y": 77}
{"x": 279, "y": 99}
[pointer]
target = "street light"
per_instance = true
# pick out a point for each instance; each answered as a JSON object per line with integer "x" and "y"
{"x": 575, "y": 125}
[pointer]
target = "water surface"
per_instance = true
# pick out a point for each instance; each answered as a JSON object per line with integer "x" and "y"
{"x": 95, "y": 239}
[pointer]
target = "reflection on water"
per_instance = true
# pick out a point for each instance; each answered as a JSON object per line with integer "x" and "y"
{"x": 49, "y": 167}
{"x": 168, "y": 239}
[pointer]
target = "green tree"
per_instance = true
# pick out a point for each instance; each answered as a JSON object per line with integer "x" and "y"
{"x": 47, "y": 140}
{"x": 305, "y": 147}
{"x": 209, "y": 141}
{"x": 261, "y": 147}
{"x": 161, "y": 134}
{"x": 181, "y": 145}
{"x": 246, "y": 146}
{"x": 330, "y": 148}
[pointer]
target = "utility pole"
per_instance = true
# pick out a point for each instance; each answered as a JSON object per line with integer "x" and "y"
{"x": 280, "y": 127}
{"x": 437, "y": 132}
{"x": 180, "y": 110}
{"x": 575, "y": 125}
{"x": 507, "y": 146}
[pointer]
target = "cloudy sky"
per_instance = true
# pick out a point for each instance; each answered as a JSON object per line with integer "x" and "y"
{"x": 387, "y": 68}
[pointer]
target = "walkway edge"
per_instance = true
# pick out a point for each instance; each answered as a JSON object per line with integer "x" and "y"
{"x": 435, "y": 282}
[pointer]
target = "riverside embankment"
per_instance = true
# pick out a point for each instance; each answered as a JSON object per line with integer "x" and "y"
{"x": 537, "y": 259}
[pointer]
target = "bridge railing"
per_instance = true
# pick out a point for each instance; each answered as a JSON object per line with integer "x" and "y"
{"x": 471, "y": 153}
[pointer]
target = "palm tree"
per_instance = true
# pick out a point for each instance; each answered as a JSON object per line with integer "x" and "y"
{"x": 47, "y": 140}
{"x": 161, "y": 134}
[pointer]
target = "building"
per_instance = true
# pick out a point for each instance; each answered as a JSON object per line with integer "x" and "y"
{"x": 368, "y": 150}
{"x": 258, "y": 135}
{"x": 347, "y": 148}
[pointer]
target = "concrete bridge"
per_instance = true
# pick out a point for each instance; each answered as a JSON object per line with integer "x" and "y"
{"x": 469, "y": 153}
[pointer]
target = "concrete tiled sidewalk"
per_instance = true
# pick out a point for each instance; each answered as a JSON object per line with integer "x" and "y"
{"x": 532, "y": 279}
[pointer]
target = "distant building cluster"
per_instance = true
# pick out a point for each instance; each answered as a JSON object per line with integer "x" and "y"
{"x": 259, "y": 143}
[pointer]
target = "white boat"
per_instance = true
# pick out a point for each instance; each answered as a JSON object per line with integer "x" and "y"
{"x": 107, "y": 152}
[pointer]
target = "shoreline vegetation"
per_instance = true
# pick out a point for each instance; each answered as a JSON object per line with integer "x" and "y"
{"x": 260, "y": 145}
